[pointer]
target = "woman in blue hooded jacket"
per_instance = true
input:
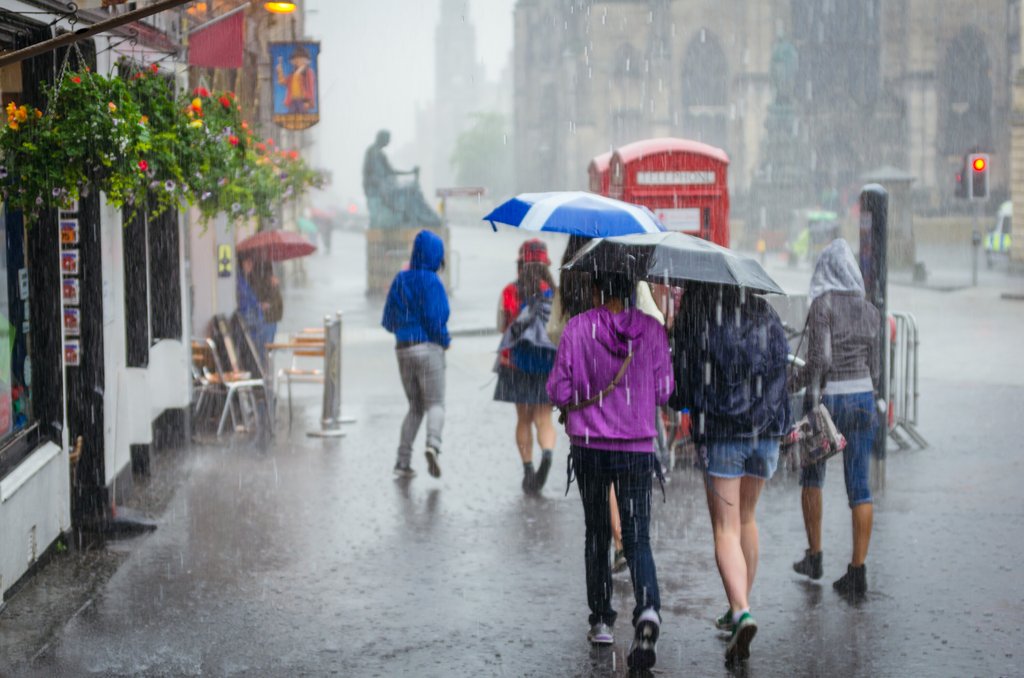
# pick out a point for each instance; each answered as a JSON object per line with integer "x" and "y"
{"x": 416, "y": 312}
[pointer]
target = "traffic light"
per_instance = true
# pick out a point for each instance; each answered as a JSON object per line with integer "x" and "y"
{"x": 977, "y": 176}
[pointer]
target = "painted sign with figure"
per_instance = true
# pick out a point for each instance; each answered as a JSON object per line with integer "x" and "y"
{"x": 296, "y": 79}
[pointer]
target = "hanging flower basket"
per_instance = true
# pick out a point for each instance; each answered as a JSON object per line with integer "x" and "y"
{"x": 130, "y": 137}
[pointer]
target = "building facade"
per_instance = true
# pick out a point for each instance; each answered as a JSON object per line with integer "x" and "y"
{"x": 913, "y": 84}
{"x": 98, "y": 350}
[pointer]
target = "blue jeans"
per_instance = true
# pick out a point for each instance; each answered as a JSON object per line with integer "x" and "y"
{"x": 630, "y": 473}
{"x": 855, "y": 417}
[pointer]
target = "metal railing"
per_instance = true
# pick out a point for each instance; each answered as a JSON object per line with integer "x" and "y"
{"x": 903, "y": 389}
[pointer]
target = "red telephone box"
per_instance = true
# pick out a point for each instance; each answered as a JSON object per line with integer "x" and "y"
{"x": 598, "y": 172}
{"x": 684, "y": 182}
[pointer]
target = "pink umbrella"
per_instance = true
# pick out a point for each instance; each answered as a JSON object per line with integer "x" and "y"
{"x": 276, "y": 246}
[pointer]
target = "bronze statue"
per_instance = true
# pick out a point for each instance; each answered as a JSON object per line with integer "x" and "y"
{"x": 393, "y": 204}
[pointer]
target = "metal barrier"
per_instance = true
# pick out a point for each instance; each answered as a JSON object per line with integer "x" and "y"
{"x": 331, "y": 419}
{"x": 903, "y": 391}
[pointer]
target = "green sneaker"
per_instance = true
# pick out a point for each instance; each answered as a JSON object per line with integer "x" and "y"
{"x": 739, "y": 643}
{"x": 724, "y": 623}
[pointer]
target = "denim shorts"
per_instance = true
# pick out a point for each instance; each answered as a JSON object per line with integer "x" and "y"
{"x": 738, "y": 457}
{"x": 855, "y": 417}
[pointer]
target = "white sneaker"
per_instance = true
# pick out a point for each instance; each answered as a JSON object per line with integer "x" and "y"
{"x": 643, "y": 649}
{"x": 600, "y": 634}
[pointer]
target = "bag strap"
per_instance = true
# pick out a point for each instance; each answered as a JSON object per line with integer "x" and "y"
{"x": 563, "y": 411}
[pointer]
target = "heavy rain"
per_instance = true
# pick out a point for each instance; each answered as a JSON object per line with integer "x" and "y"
{"x": 511, "y": 338}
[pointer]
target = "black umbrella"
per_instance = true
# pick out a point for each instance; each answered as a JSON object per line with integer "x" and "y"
{"x": 672, "y": 258}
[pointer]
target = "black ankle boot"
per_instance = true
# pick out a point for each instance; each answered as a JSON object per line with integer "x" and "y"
{"x": 542, "y": 470}
{"x": 854, "y": 582}
{"x": 810, "y": 565}
{"x": 529, "y": 479}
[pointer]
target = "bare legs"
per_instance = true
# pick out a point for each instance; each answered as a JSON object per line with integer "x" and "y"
{"x": 732, "y": 503}
{"x": 810, "y": 502}
{"x": 528, "y": 418}
{"x": 863, "y": 517}
{"x": 613, "y": 508}
{"x": 524, "y": 432}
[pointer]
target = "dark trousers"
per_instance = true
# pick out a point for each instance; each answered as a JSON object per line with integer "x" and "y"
{"x": 630, "y": 473}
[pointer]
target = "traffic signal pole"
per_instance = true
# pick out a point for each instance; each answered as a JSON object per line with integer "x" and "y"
{"x": 975, "y": 246}
{"x": 977, "y": 167}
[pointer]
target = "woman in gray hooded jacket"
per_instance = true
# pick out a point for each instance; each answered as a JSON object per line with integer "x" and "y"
{"x": 843, "y": 373}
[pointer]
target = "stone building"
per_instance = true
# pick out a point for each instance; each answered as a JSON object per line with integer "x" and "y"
{"x": 913, "y": 84}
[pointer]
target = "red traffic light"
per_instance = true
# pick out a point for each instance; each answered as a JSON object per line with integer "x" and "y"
{"x": 979, "y": 164}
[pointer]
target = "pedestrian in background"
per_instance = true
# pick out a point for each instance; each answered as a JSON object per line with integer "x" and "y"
{"x": 730, "y": 355}
{"x": 611, "y": 371}
{"x": 416, "y": 312}
{"x": 267, "y": 288}
{"x": 843, "y": 369}
{"x": 252, "y": 309}
{"x": 523, "y": 362}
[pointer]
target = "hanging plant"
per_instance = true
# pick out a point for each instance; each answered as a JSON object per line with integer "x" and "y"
{"x": 131, "y": 138}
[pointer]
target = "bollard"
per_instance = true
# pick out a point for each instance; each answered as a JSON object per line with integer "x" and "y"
{"x": 331, "y": 419}
{"x": 874, "y": 265}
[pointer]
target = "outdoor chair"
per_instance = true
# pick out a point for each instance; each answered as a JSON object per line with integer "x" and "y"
{"x": 239, "y": 372}
{"x": 203, "y": 387}
{"x": 306, "y": 347}
{"x": 235, "y": 386}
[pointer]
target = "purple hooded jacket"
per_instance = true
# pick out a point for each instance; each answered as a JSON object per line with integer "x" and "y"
{"x": 591, "y": 351}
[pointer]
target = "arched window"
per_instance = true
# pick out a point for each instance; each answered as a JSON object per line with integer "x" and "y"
{"x": 626, "y": 103}
{"x": 705, "y": 92}
{"x": 965, "y": 100}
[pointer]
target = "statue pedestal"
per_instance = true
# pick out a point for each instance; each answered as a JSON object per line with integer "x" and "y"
{"x": 388, "y": 251}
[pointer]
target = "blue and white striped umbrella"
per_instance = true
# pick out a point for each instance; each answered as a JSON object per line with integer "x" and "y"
{"x": 576, "y": 213}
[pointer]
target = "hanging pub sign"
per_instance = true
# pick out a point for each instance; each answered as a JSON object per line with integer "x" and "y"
{"x": 296, "y": 79}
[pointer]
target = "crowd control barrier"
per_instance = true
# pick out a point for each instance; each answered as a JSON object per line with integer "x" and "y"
{"x": 903, "y": 391}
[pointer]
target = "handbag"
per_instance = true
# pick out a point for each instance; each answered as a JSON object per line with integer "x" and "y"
{"x": 563, "y": 412}
{"x": 817, "y": 440}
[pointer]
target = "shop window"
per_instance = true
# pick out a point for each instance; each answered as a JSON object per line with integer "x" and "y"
{"x": 15, "y": 327}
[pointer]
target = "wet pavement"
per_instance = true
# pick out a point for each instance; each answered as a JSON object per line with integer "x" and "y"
{"x": 309, "y": 559}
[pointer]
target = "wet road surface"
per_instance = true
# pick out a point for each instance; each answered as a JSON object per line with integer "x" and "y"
{"x": 309, "y": 559}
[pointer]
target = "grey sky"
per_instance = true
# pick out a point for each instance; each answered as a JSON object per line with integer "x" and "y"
{"x": 377, "y": 67}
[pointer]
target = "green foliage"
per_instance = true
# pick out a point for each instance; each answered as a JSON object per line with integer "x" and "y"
{"x": 483, "y": 155}
{"x": 132, "y": 138}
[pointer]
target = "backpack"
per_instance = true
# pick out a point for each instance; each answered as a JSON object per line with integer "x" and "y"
{"x": 744, "y": 388}
{"x": 531, "y": 349}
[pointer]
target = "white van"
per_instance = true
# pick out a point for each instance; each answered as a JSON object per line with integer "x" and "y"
{"x": 999, "y": 240}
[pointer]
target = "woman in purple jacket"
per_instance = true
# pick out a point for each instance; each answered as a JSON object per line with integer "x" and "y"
{"x": 611, "y": 371}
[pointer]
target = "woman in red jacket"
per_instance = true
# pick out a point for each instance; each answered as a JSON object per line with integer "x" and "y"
{"x": 519, "y": 381}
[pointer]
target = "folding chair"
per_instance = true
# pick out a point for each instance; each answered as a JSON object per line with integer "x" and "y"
{"x": 235, "y": 383}
{"x": 296, "y": 373}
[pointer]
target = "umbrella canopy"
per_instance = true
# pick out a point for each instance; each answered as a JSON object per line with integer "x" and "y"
{"x": 306, "y": 225}
{"x": 576, "y": 213}
{"x": 672, "y": 258}
{"x": 276, "y": 245}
